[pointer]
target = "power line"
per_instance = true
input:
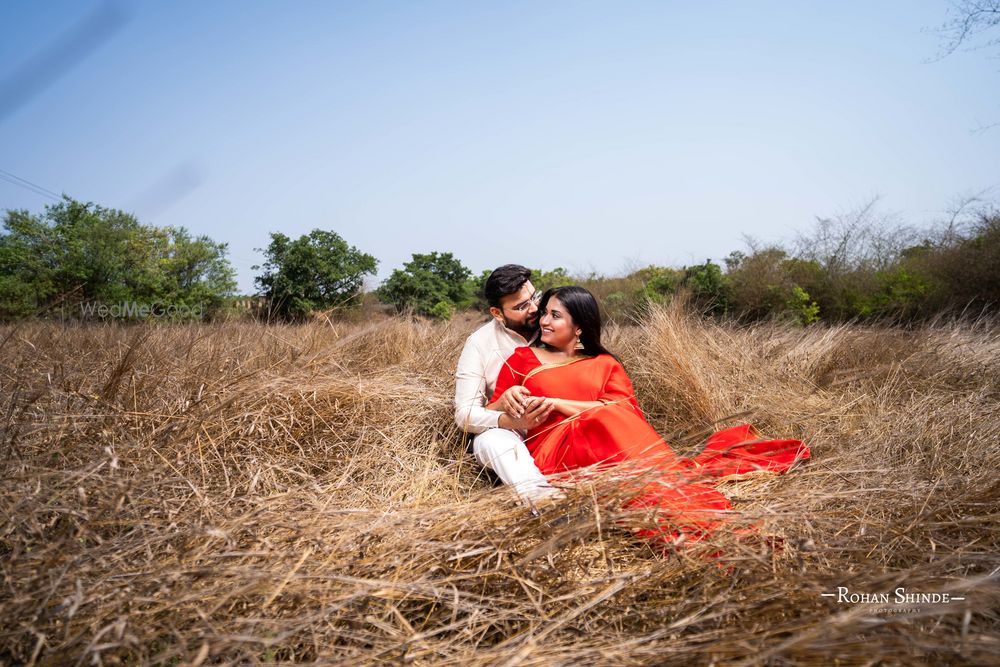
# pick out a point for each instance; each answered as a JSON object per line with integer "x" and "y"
{"x": 14, "y": 179}
{"x": 26, "y": 187}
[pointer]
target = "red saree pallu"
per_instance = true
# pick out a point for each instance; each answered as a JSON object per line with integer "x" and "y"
{"x": 687, "y": 507}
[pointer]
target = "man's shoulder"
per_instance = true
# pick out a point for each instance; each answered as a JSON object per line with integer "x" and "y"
{"x": 480, "y": 342}
{"x": 484, "y": 334}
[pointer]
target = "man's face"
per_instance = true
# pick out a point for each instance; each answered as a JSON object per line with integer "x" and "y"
{"x": 519, "y": 311}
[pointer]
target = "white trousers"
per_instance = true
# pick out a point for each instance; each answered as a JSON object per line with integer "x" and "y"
{"x": 503, "y": 452}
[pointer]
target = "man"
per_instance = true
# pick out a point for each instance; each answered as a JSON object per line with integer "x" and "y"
{"x": 499, "y": 443}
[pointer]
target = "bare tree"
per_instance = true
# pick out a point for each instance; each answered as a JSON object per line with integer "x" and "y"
{"x": 972, "y": 23}
{"x": 861, "y": 239}
{"x": 963, "y": 213}
{"x": 968, "y": 21}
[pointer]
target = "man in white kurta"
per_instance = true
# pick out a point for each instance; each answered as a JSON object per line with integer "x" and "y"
{"x": 499, "y": 443}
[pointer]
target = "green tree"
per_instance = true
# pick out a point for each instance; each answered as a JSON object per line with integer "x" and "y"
{"x": 193, "y": 270}
{"x": 317, "y": 271}
{"x": 105, "y": 254}
{"x": 96, "y": 254}
{"x": 432, "y": 284}
{"x": 557, "y": 277}
{"x": 27, "y": 265}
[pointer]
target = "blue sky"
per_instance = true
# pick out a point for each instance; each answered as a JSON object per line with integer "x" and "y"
{"x": 588, "y": 135}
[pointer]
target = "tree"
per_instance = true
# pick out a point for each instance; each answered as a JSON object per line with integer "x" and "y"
{"x": 102, "y": 255}
{"x": 108, "y": 253}
{"x": 27, "y": 265}
{"x": 193, "y": 270}
{"x": 968, "y": 22}
{"x": 543, "y": 280}
{"x": 317, "y": 271}
{"x": 969, "y": 19}
{"x": 433, "y": 284}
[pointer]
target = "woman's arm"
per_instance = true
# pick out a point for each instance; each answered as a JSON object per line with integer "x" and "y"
{"x": 617, "y": 387}
{"x": 570, "y": 408}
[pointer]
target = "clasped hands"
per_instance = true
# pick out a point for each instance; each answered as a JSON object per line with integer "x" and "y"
{"x": 522, "y": 411}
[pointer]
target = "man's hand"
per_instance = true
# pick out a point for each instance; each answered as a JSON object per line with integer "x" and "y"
{"x": 537, "y": 410}
{"x": 514, "y": 401}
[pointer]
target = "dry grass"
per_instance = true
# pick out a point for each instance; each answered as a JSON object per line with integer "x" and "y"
{"x": 240, "y": 493}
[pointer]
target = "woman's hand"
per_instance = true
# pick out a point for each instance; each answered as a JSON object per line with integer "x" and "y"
{"x": 537, "y": 410}
{"x": 513, "y": 401}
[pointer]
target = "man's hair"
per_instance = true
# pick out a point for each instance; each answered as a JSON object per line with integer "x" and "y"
{"x": 504, "y": 280}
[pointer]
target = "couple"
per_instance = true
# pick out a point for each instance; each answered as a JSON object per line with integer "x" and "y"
{"x": 544, "y": 396}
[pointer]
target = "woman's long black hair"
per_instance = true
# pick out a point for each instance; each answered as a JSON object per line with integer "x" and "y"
{"x": 582, "y": 307}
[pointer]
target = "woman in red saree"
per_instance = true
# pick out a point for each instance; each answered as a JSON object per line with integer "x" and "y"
{"x": 595, "y": 419}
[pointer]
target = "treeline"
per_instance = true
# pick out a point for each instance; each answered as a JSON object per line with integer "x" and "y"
{"x": 84, "y": 260}
{"x": 856, "y": 267}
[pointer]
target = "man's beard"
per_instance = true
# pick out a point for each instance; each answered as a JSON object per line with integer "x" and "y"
{"x": 526, "y": 330}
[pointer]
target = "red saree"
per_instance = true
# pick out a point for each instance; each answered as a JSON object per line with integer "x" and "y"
{"x": 617, "y": 431}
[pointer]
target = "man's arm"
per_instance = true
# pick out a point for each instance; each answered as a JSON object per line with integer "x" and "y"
{"x": 471, "y": 415}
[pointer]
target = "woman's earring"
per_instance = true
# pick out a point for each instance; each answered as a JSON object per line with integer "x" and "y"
{"x": 579, "y": 344}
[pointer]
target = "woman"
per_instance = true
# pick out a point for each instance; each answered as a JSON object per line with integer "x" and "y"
{"x": 595, "y": 419}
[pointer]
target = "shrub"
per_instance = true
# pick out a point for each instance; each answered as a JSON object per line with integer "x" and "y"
{"x": 963, "y": 271}
{"x": 442, "y": 310}
{"x": 707, "y": 287}
{"x": 806, "y": 310}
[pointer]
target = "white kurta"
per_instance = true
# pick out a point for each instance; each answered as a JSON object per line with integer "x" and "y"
{"x": 501, "y": 450}
{"x": 484, "y": 353}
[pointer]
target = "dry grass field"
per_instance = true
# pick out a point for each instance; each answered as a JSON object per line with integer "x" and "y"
{"x": 242, "y": 494}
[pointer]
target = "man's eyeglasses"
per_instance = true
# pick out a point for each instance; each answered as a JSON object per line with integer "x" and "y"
{"x": 524, "y": 305}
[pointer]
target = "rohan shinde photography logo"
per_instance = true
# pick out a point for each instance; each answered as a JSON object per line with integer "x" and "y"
{"x": 899, "y": 600}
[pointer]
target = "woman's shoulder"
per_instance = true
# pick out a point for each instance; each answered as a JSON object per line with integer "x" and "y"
{"x": 608, "y": 363}
{"x": 607, "y": 359}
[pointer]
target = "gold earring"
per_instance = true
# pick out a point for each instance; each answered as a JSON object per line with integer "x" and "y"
{"x": 579, "y": 345}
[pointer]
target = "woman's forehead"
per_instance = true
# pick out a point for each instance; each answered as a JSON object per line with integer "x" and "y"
{"x": 555, "y": 305}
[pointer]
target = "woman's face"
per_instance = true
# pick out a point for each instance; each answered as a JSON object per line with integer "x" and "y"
{"x": 557, "y": 326}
